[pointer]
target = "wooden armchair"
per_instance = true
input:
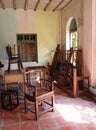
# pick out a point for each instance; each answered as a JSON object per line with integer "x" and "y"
{"x": 40, "y": 92}
{"x": 12, "y": 58}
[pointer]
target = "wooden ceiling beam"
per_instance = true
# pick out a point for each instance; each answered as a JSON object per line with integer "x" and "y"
{"x": 2, "y": 4}
{"x": 58, "y": 5}
{"x": 37, "y": 5}
{"x": 14, "y": 4}
{"x": 66, "y": 5}
{"x": 26, "y": 4}
{"x": 47, "y": 5}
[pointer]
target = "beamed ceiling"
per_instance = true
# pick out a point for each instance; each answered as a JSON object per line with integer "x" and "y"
{"x": 53, "y": 5}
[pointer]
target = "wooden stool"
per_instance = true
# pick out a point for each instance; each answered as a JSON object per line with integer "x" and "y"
{"x": 9, "y": 99}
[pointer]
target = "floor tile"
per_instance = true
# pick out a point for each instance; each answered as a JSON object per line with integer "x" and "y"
{"x": 70, "y": 114}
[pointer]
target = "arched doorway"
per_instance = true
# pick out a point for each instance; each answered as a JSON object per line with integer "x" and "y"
{"x": 71, "y": 34}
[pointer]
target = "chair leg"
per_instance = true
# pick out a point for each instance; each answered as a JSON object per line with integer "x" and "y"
{"x": 36, "y": 110}
{"x": 9, "y": 66}
{"x": 21, "y": 64}
{"x": 18, "y": 65}
{"x": 53, "y": 102}
{"x": 25, "y": 104}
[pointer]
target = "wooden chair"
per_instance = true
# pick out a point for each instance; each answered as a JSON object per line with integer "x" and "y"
{"x": 13, "y": 58}
{"x": 40, "y": 92}
{"x": 80, "y": 83}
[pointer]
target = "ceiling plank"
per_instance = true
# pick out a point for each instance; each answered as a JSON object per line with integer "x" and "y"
{"x": 14, "y": 4}
{"x": 66, "y": 5}
{"x": 37, "y": 5}
{"x": 58, "y": 5}
{"x": 2, "y": 4}
{"x": 26, "y": 4}
{"x": 47, "y": 5}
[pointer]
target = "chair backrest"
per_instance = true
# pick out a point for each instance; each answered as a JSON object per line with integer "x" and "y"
{"x": 9, "y": 51}
{"x": 34, "y": 77}
{"x": 35, "y": 81}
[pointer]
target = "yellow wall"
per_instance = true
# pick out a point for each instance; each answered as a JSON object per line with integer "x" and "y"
{"x": 47, "y": 29}
{"x": 46, "y": 25}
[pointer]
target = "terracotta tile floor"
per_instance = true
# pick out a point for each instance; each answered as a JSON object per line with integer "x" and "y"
{"x": 70, "y": 114}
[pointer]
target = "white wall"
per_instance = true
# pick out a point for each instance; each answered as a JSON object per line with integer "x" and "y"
{"x": 24, "y": 21}
{"x": 44, "y": 23}
{"x": 7, "y": 30}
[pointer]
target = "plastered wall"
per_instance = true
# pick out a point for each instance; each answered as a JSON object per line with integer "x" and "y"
{"x": 93, "y": 77}
{"x": 75, "y": 10}
{"x": 84, "y": 11}
{"x": 45, "y": 24}
{"x": 7, "y": 30}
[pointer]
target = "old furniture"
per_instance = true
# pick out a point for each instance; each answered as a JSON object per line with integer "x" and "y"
{"x": 60, "y": 68}
{"x": 14, "y": 76}
{"x": 9, "y": 99}
{"x": 13, "y": 58}
{"x": 40, "y": 92}
{"x": 44, "y": 70}
{"x": 66, "y": 70}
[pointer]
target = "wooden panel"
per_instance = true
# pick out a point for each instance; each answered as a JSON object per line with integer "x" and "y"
{"x": 27, "y": 47}
{"x": 31, "y": 52}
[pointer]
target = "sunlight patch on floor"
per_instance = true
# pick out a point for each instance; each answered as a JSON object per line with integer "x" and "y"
{"x": 70, "y": 113}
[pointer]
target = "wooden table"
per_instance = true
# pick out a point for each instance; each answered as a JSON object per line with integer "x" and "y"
{"x": 14, "y": 76}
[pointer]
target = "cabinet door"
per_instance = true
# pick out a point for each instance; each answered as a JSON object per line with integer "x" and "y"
{"x": 31, "y": 52}
{"x": 22, "y": 51}
{"x": 28, "y": 51}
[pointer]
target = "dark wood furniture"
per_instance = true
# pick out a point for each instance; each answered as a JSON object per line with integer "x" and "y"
{"x": 60, "y": 68}
{"x": 45, "y": 73}
{"x": 66, "y": 70}
{"x": 13, "y": 58}
{"x": 39, "y": 91}
{"x": 81, "y": 84}
{"x": 9, "y": 99}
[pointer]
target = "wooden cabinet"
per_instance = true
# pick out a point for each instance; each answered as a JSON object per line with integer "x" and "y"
{"x": 27, "y": 47}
